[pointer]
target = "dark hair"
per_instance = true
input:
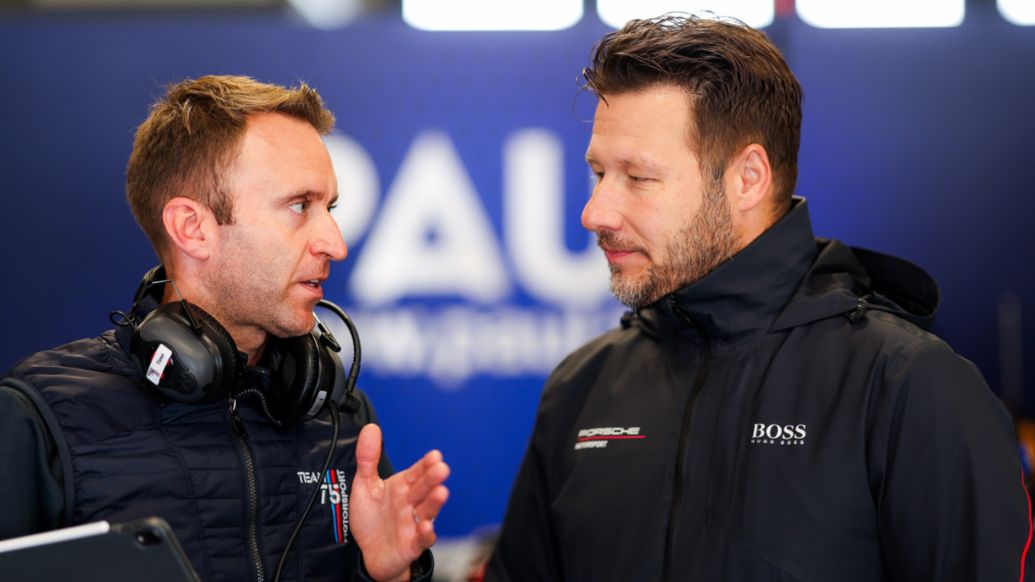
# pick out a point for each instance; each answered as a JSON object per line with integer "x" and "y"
{"x": 190, "y": 137}
{"x": 740, "y": 89}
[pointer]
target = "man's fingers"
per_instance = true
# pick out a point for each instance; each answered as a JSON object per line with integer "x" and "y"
{"x": 427, "y": 510}
{"x": 368, "y": 452}
{"x": 425, "y": 534}
{"x": 425, "y": 514}
{"x": 425, "y": 475}
{"x": 417, "y": 470}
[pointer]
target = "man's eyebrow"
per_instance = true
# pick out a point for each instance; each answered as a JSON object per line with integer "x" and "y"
{"x": 629, "y": 162}
{"x": 639, "y": 163}
{"x": 297, "y": 195}
{"x": 307, "y": 195}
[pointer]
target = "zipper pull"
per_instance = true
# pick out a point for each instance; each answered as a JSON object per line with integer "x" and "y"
{"x": 235, "y": 420}
{"x": 856, "y": 315}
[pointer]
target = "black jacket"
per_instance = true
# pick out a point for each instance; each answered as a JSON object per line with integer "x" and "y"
{"x": 97, "y": 443}
{"x": 784, "y": 418}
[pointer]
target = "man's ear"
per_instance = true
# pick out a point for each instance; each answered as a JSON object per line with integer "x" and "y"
{"x": 749, "y": 178}
{"x": 190, "y": 226}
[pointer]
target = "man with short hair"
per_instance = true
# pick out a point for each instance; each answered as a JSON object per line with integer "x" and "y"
{"x": 772, "y": 408}
{"x": 206, "y": 404}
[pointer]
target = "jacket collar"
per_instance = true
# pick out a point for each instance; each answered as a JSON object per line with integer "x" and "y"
{"x": 747, "y": 293}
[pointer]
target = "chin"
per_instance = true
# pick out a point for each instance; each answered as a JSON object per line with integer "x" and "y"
{"x": 295, "y": 327}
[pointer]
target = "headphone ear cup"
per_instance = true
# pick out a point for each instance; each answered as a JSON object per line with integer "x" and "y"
{"x": 184, "y": 364}
{"x": 303, "y": 376}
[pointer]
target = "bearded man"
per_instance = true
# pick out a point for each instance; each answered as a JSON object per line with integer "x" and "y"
{"x": 772, "y": 408}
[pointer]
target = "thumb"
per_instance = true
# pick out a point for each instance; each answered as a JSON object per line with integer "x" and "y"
{"x": 368, "y": 452}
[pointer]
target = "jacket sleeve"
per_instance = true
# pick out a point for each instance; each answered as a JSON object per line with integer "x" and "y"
{"x": 525, "y": 550}
{"x": 952, "y": 505}
{"x": 33, "y": 499}
{"x": 421, "y": 569}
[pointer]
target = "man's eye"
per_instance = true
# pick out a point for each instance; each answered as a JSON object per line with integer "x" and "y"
{"x": 299, "y": 207}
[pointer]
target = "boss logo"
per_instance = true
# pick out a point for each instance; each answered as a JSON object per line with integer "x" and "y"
{"x": 778, "y": 434}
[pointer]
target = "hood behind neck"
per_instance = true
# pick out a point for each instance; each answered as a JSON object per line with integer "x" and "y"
{"x": 853, "y": 279}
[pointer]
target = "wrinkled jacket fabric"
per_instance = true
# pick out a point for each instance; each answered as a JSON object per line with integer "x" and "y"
{"x": 126, "y": 455}
{"x": 784, "y": 418}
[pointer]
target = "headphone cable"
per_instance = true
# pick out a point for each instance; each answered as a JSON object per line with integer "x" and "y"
{"x": 351, "y": 405}
{"x": 316, "y": 491}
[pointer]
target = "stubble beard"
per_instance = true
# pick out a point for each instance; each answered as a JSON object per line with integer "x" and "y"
{"x": 708, "y": 240}
{"x": 247, "y": 299}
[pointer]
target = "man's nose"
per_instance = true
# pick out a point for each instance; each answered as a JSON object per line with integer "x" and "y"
{"x": 601, "y": 211}
{"x": 328, "y": 240}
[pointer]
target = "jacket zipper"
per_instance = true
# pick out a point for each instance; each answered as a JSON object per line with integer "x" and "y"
{"x": 241, "y": 439}
{"x": 684, "y": 435}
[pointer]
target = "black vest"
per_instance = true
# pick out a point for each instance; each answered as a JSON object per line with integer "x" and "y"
{"x": 125, "y": 455}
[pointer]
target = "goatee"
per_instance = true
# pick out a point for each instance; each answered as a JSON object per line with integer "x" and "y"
{"x": 706, "y": 241}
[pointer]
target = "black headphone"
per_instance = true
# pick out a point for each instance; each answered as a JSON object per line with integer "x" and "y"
{"x": 189, "y": 357}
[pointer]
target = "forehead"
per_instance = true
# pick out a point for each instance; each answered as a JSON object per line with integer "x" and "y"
{"x": 275, "y": 135}
{"x": 281, "y": 154}
{"x": 642, "y": 123}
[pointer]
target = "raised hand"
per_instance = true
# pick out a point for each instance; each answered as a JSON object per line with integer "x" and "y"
{"x": 393, "y": 519}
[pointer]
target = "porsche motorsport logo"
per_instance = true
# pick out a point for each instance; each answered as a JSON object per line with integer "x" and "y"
{"x": 597, "y": 438}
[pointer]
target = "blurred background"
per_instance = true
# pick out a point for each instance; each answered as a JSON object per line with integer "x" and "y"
{"x": 459, "y": 146}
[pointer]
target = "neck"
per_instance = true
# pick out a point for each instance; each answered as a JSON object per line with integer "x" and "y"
{"x": 249, "y": 340}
